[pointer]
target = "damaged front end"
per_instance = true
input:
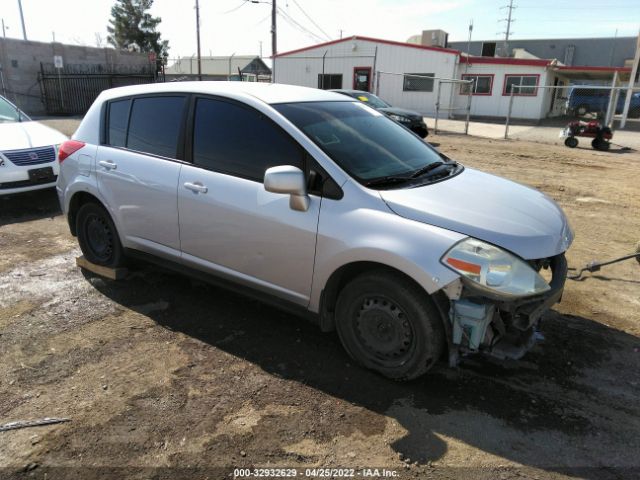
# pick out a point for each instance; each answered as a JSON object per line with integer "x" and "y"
{"x": 497, "y": 314}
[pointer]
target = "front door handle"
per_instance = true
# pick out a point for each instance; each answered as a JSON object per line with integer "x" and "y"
{"x": 196, "y": 187}
{"x": 108, "y": 164}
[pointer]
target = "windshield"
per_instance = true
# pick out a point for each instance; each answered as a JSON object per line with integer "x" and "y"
{"x": 9, "y": 113}
{"x": 363, "y": 141}
{"x": 372, "y": 100}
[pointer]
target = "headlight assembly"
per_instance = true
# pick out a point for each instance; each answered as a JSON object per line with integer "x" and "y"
{"x": 493, "y": 269}
{"x": 400, "y": 118}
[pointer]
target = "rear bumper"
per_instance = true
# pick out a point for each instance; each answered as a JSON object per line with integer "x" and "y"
{"x": 419, "y": 129}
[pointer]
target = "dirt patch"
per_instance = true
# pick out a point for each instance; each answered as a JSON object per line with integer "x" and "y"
{"x": 164, "y": 377}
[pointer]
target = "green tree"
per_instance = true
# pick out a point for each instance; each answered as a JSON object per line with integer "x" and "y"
{"x": 132, "y": 27}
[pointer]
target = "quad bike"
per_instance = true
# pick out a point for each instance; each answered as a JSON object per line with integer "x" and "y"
{"x": 600, "y": 134}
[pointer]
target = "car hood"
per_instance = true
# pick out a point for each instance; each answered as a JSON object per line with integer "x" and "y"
{"x": 20, "y": 135}
{"x": 504, "y": 213}
{"x": 401, "y": 111}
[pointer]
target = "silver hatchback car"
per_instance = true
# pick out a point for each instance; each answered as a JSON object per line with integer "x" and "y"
{"x": 320, "y": 203}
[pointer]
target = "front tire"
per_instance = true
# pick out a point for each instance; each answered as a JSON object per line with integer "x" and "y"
{"x": 571, "y": 142}
{"x": 390, "y": 325}
{"x": 98, "y": 237}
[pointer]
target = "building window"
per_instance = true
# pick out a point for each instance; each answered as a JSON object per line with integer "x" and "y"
{"x": 328, "y": 81}
{"x": 488, "y": 49}
{"x": 482, "y": 84}
{"x": 528, "y": 82}
{"x": 416, "y": 82}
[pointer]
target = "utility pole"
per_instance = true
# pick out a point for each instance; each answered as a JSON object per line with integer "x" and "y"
{"x": 4, "y": 29}
{"x": 340, "y": 33}
{"x": 198, "y": 35}
{"x": 260, "y": 48}
{"x": 507, "y": 33}
{"x": 24, "y": 30}
{"x": 274, "y": 40}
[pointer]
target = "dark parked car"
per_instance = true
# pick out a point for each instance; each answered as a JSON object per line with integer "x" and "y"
{"x": 410, "y": 119}
{"x": 587, "y": 99}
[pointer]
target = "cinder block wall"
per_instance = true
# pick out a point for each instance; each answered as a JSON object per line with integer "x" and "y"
{"x": 20, "y": 63}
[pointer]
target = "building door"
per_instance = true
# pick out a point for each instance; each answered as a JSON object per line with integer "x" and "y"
{"x": 362, "y": 78}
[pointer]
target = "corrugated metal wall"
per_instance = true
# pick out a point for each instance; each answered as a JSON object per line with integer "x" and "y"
{"x": 303, "y": 68}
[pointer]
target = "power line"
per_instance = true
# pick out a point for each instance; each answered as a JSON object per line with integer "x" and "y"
{"x": 244, "y": 2}
{"x": 291, "y": 21}
{"x": 312, "y": 21}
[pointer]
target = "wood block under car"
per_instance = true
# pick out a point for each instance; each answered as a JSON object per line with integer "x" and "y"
{"x": 107, "y": 272}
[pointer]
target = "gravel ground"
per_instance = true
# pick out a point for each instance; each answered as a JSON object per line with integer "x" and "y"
{"x": 164, "y": 377}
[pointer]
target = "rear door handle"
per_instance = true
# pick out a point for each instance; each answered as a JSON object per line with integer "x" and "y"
{"x": 196, "y": 187}
{"x": 108, "y": 164}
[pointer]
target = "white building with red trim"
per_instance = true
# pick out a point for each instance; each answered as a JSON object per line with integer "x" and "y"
{"x": 383, "y": 67}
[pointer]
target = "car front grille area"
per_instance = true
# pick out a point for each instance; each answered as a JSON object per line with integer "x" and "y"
{"x": 31, "y": 156}
{"x": 27, "y": 183}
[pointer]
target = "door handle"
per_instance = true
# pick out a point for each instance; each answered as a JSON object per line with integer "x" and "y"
{"x": 108, "y": 164}
{"x": 196, "y": 187}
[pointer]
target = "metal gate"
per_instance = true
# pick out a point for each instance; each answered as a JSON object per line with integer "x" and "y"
{"x": 71, "y": 90}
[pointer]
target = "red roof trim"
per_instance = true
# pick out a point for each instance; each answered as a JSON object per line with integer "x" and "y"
{"x": 505, "y": 61}
{"x": 594, "y": 68}
{"x": 369, "y": 39}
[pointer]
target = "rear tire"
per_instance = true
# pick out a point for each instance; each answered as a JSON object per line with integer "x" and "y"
{"x": 98, "y": 237}
{"x": 599, "y": 144}
{"x": 390, "y": 325}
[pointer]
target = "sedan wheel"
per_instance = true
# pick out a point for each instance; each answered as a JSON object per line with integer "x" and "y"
{"x": 389, "y": 324}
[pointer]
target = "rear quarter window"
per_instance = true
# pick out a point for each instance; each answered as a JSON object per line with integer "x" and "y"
{"x": 117, "y": 123}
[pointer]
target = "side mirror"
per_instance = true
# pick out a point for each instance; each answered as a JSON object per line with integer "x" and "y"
{"x": 289, "y": 180}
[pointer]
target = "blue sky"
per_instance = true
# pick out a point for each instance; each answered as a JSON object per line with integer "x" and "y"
{"x": 234, "y": 26}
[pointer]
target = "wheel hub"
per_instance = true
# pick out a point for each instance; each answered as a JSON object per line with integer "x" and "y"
{"x": 99, "y": 237}
{"x": 383, "y": 328}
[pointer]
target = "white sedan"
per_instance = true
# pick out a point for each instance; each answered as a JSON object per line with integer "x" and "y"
{"x": 28, "y": 151}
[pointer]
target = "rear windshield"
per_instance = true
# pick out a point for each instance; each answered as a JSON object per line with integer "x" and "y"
{"x": 372, "y": 100}
{"x": 364, "y": 142}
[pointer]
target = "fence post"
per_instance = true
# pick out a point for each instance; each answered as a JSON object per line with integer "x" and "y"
{"x": 506, "y": 127}
{"x": 435, "y": 127}
{"x": 469, "y": 94}
{"x": 613, "y": 101}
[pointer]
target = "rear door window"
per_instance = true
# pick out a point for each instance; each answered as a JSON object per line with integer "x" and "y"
{"x": 155, "y": 124}
{"x": 237, "y": 140}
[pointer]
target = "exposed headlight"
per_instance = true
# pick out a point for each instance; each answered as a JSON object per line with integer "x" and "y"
{"x": 400, "y": 118}
{"x": 494, "y": 269}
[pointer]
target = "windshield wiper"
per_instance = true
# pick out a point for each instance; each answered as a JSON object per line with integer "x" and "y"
{"x": 426, "y": 169}
{"x": 389, "y": 180}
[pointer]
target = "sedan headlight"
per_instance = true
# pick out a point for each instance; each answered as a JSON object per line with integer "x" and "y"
{"x": 494, "y": 269}
{"x": 400, "y": 118}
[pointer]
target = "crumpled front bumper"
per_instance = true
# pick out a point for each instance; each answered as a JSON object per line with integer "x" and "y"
{"x": 507, "y": 327}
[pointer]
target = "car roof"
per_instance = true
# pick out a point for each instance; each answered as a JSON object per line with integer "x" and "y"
{"x": 271, "y": 93}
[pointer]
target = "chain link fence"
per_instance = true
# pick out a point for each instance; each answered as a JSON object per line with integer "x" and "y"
{"x": 434, "y": 97}
{"x": 585, "y": 115}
